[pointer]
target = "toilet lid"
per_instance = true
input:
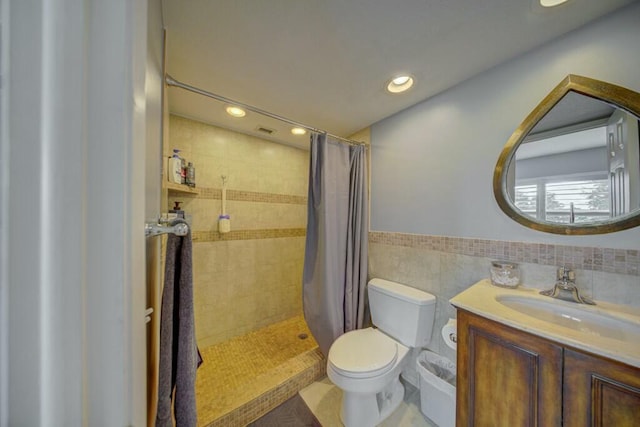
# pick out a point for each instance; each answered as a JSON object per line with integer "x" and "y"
{"x": 363, "y": 353}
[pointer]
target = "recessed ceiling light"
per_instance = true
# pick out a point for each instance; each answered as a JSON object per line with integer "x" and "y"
{"x": 399, "y": 81}
{"x": 298, "y": 131}
{"x": 400, "y": 84}
{"x": 551, "y": 3}
{"x": 236, "y": 111}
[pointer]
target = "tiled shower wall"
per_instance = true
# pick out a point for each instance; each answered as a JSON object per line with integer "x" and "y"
{"x": 250, "y": 277}
{"x": 445, "y": 266}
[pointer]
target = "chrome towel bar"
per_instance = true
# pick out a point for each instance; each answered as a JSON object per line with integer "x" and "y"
{"x": 152, "y": 229}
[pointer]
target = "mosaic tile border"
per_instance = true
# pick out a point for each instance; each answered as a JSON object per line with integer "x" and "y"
{"x": 313, "y": 367}
{"x": 243, "y": 196}
{"x": 270, "y": 233}
{"x": 621, "y": 261}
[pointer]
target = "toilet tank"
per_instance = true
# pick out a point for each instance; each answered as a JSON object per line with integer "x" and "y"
{"x": 402, "y": 312}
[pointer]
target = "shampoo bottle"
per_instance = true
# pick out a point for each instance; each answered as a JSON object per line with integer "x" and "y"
{"x": 175, "y": 168}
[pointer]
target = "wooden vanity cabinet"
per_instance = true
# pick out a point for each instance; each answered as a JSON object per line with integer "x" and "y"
{"x": 599, "y": 392}
{"x": 507, "y": 377}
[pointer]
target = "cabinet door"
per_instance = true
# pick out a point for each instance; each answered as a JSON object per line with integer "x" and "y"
{"x": 600, "y": 392}
{"x": 506, "y": 377}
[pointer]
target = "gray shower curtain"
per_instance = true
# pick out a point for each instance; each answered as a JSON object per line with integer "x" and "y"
{"x": 335, "y": 264}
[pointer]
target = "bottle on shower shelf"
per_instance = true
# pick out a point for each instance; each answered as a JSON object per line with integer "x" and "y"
{"x": 183, "y": 170}
{"x": 191, "y": 175}
{"x": 175, "y": 167}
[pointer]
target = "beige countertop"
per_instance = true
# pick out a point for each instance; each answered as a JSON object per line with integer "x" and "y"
{"x": 483, "y": 299}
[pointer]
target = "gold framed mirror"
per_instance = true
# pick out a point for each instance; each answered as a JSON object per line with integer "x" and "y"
{"x": 573, "y": 165}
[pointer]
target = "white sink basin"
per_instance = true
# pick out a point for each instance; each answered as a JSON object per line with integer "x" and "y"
{"x": 585, "y": 319}
{"x": 606, "y": 329}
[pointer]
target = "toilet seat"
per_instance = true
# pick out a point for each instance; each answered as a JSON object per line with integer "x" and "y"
{"x": 363, "y": 353}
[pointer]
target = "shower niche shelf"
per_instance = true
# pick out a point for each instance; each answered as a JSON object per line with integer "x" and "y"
{"x": 180, "y": 188}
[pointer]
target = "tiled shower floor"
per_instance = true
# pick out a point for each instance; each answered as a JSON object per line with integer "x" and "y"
{"x": 245, "y": 377}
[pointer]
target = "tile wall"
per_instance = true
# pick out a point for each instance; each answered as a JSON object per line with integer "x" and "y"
{"x": 445, "y": 266}
{"x": 250, "y": 277}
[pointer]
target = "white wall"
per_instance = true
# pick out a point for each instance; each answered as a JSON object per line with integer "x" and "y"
{"x": 4, "y": 212}
{"x": 432, "y": 164}
{"x": 45, "y": 173}
{"x": 72, "y": 241}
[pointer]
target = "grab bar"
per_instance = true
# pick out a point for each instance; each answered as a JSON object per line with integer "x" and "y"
{"x": 153, "y": 229}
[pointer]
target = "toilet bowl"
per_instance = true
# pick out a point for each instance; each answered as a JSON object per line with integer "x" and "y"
{"x": 366, "y": 363}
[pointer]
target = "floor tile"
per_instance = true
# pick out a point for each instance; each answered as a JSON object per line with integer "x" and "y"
{"x": 324, "y": 400}
{"x": 247, "y": 367}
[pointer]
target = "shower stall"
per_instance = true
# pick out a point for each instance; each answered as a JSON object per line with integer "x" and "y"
{"x": 256, "y": 346}
{"x": 247, "y": 211}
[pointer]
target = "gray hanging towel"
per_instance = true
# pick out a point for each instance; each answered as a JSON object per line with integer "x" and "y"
{"x": 179, "y": 354}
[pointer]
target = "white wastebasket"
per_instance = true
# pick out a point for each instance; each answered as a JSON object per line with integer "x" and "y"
{"x": 437, "y": 388}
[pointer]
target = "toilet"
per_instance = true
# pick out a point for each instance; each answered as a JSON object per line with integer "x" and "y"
{"x": 366, "y": 363}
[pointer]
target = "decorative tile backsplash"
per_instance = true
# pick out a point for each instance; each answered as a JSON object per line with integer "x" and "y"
{"x": 272, "y": 233}
{"x": 251, "y": 196}
{"x": 621, "y": 261}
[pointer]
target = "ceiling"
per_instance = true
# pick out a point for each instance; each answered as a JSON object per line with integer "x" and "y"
{"x": 325, "y": 63}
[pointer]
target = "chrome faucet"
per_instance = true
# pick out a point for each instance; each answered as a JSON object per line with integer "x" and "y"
{"x": 565, "y": 288}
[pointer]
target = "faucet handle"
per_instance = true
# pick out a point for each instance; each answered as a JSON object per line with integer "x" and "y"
{"x": 561, "y": 273}
{"x": 566, "y": 274}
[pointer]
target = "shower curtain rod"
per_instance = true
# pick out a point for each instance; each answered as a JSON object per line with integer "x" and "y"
{"x": 173, "y": 82}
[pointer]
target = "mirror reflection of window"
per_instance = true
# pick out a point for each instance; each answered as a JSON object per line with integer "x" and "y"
{"x": 565, "y": 201}
{"x": 563, "y": 177}
{"x": 579, "y": 164}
